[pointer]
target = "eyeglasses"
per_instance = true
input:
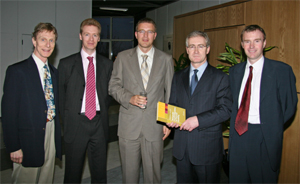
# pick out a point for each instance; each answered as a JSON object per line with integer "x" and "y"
{"x": 193, "y": 47}
{"x": 143, "y": 31}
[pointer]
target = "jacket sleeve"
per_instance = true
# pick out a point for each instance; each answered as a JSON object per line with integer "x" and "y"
{"x": 10, "y": 109}
{"x": 288, "y": 94}
{"x": 116, "y": 85}
{"x": 222, "y": 109}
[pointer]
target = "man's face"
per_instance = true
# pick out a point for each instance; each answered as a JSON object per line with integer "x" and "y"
{"x": 145, "y": 40}
{"x": 253, "y": 43}
{"x": 90, "y": 38}
{"x": 44, "y": 44}
{"x": 197, "y": 50}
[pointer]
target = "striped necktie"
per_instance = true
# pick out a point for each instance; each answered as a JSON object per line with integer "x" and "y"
{"x": 145, "y": 70}
{"x": 90, "y": 94}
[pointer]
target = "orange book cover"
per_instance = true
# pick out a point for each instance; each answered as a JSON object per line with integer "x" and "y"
{"x": 169, "y": 113}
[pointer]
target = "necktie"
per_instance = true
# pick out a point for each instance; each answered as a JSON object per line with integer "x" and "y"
{"x": 90, "y": 95}
{"x": 145, "y": 70}
{"x": 241, "y": 121}
{"x": 49, "y": 95}
{"x": 194, "y": 81}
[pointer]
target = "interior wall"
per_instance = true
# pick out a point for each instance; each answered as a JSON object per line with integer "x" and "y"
{"x": 164, "y": 16}
{"x": 19, "y": 17}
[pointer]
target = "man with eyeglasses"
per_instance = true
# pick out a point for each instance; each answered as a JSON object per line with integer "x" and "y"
{"x": 204, "y": 92}
{"x": 141, "y": 69}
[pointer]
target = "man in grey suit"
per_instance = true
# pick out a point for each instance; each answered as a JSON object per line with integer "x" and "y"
{"x": 84, "y": 101}
{"x": 140, "y": 137}
{"x": 205, "y": 94}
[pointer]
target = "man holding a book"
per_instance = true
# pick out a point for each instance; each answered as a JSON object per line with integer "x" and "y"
{"x": 204, "y": 92}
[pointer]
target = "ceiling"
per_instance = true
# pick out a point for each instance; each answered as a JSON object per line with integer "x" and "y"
{"x": 135, "y": 8}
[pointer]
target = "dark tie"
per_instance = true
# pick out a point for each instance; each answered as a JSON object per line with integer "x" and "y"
{"x": 241, "y": 121}
{"x": 90, "y": 100}
{"x": 194, "y": 81}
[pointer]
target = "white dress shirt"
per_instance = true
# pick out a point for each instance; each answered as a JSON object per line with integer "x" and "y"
{"x": 40, "y": 65}
{"x": 149, "y": 60}
{"x": 85, "y": 64}
{"x": 254, "y": 117}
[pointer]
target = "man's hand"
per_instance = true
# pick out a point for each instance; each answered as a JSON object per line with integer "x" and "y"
{"x": 17, "y": 156}
{"x": 166, "y": 131}
{"x": 138, "y": 100}
{"x": 190, "y": 124}
{"x": 172, "y": 125}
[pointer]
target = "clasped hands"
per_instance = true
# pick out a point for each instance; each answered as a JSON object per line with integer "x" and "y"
{"x": 189, "y": 124}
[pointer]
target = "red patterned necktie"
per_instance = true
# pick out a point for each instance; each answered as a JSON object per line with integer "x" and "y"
{"x": 90, "y": 100}
{"x": 241, "y": 121}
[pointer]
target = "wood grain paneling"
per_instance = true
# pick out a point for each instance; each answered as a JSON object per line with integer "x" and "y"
{"x": 218, "y": 37}
{"x": 184, "y": 26}
{"x": 224, "y": 17}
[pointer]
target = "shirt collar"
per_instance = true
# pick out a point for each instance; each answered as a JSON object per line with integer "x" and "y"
{"x": 85, "y": 55}
{"x": 150, "y": 53}
{"x": 200, "y": 68}
{"x": 258, "y": 65}
{"x": 40, "y": 64}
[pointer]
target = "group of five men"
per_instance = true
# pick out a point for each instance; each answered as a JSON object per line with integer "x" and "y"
{"x": 259, "y": 95}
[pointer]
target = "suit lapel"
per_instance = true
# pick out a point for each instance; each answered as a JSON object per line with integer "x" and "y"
{"x": 156, "y": 64}
{"x": 266, "y": 79}
{"x": 79, "y": 66}
{"x": 203, "y": 80}
{"x": 134, "y": 64}
{"x": 186, "y": 81}
{"x": 34, "y": 76}
{"x": 239, "y": 75}
{"x": 99, "y": 76}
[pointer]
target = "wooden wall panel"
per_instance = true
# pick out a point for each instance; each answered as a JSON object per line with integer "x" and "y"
{"x": 218, "y": 37}
{"x": 183, "y": 27}
{"x": 281, "y": 24}
{"x": 224, "y": 17}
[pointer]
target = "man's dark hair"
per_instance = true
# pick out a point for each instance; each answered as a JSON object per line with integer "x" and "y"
{"x": 145, "y": 20}
{"x": 251, "y": 28}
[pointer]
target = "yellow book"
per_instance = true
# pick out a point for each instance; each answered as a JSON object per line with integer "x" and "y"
{"x": 169, "y": 113}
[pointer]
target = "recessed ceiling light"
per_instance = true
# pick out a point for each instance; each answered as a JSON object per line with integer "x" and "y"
{"x": 113, "y": 9}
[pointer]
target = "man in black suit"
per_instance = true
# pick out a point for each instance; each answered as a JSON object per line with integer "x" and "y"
{"x": 31, "y": 128}
{"x": 198, "y": 143}
{"x": 84, "y": 101}
{"x": 264, "y": 98}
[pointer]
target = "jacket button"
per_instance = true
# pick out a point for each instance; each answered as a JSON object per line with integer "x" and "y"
{"x": 43, "y": 128}
{"x": 45, "y": 111}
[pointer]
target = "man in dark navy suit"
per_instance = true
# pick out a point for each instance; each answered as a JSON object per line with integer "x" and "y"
{"x": 204, "y": 92}
{"x": 264, "y": 98}
{"x": 31, "y": 127}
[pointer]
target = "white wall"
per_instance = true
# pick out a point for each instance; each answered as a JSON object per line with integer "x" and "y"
{"x": 19, "y": 17}
{"x": 164, "y": 16}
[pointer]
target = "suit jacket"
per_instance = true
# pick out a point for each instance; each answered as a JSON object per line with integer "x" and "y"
{"x": 211, "y": 103}
{"x": 24, "y": 112}
{"x": 126, "y": 81}
{"x": 278, "y": 102}
{"x": 71, "y": 86}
